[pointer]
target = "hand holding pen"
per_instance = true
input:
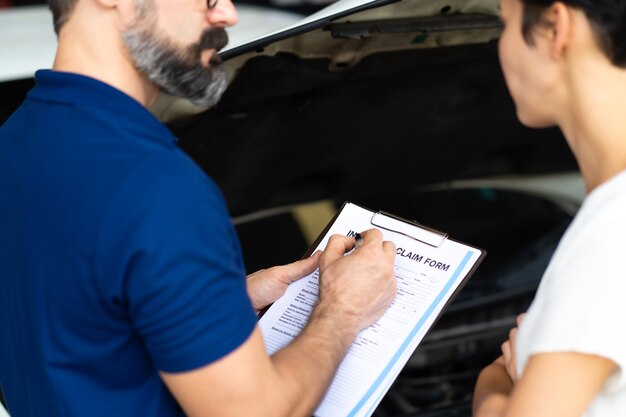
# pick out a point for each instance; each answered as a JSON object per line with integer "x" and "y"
{"x": 358, "y": 287}
{"x": 358, "y": 240}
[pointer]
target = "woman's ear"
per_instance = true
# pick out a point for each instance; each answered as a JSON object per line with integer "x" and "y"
{"x": 559, "y": 17}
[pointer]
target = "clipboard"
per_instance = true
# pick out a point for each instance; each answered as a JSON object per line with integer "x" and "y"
{"x": 411, "y": 228}
{"x": 431, "y": 269}
{"x": 387, "y": 221}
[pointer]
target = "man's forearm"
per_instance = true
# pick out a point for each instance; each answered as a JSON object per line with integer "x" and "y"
{"x": 308, "y": 364}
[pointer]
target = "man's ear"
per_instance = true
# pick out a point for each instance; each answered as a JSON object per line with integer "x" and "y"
{"x": 559, "y": 17}
{"x": 125, "y": 8}
{"x": 107, "y": 3}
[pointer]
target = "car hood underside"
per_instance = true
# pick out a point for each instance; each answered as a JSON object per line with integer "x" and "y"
{"x": 290, "y": 130}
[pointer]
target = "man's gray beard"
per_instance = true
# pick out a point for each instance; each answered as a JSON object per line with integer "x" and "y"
{"x": 177, "y": 72}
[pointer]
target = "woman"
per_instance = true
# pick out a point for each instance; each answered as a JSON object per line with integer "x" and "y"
{"x": 565, "y": 65}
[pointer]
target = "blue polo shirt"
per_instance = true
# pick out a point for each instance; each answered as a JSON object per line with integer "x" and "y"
{"x": 117, "y": 257}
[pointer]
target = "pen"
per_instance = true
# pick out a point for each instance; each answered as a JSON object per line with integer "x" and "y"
{"x": 358, "y": 240}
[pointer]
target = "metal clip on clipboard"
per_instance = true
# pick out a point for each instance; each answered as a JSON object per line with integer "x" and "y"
{"x": 408, "y": 228}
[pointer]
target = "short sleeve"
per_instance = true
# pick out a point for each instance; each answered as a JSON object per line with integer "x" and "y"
{"x": 169, "y": 258}
{"x": 580, "y": 305}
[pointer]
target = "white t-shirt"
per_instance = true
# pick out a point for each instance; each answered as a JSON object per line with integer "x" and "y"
{"x": 580, "y": 305}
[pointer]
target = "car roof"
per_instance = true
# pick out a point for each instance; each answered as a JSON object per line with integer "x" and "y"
{"x": 27, "y": 41}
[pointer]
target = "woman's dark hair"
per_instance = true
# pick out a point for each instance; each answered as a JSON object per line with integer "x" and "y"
{"x": 607, "y": 18}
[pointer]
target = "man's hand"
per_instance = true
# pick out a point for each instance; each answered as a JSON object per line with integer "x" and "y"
{"x": 357, "y": 288}
{"x": 268, "y": 285}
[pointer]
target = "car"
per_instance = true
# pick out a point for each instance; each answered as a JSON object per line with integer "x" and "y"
{"x": 399, "y": 106}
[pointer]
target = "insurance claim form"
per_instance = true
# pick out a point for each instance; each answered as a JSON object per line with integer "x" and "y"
{"x": 429, "y": 268}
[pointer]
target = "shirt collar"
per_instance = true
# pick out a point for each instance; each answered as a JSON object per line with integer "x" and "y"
{"x": 80, "y": 90}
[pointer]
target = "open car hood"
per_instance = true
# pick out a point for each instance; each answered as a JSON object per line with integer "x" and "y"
{"x": 366, "y": 98}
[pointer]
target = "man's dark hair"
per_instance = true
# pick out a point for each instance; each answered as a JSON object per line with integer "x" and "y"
{"x": 61, "y": 10}
{"x": 607, "y": 18}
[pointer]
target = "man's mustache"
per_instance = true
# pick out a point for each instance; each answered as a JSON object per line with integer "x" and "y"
{"x": 213, "y": 38}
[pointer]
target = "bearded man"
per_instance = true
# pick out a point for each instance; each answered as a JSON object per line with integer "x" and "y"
{"x": 123, "y": 287}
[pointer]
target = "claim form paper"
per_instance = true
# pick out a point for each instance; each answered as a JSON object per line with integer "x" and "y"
{"x": 428, "y": 270}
